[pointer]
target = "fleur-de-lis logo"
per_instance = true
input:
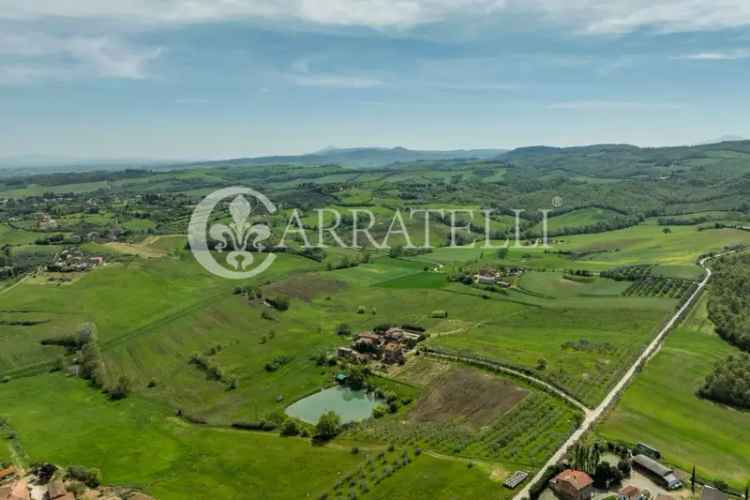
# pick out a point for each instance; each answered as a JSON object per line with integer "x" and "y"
{"x": 234, "y": 236}
{"x": 239, "y": 232}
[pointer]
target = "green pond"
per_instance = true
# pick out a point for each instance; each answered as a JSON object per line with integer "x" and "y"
{"x": 350, "y": 405}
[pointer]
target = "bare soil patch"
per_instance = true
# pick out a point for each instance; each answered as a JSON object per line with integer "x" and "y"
{"x": 305, "y": 287}
{"x": 467, "y": 396}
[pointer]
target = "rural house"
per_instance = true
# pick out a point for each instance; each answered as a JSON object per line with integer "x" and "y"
{"x": 629, "y": 493}
{"x": 573, "y": 485}
{"x": 393, "y": 353}
{"x": 664, "y": 476}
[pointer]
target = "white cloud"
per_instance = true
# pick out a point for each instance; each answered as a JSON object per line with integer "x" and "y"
{"x": 730, "y": 55}
{"x": 588, "y": 16}
{"x": 54, "y": 57}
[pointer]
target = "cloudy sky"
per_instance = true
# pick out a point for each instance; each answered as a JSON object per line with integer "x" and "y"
{"x": 226, "y": 78}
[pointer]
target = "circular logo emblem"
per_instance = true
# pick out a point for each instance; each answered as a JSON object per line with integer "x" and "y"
{"x": 239, "y": 242}
{"x": 557, "y": 202}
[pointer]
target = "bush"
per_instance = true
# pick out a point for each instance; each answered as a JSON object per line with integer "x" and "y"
{"x": 280, "y": 302}
{"x": 328, "y": 426}
{"x": 439, "y": 314}
{"x": 379, "y": 411}
{"x": 361, "y": 309}
{"x": 90, "y": 477}
{"x": 290, "y": 428}
{"x": 343, "y": 329}
{"x": 267, "y": 315}
{"x": 121, "y": 389}
{"x": 277, "y": 363}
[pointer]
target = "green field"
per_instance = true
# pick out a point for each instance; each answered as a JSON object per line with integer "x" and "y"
{"x": 661, "y": 407}
{"x": 138, "y": 443}
{"x": 221, "y": 352}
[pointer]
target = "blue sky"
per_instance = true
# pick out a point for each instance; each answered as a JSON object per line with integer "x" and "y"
{"x": 226, "y": 78}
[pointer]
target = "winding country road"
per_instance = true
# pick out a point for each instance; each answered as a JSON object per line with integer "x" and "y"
{"x": 594, "y": 415}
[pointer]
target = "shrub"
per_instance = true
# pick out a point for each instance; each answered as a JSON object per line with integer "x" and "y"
{"x": 279, "y": 302}
{"x": 361, "y": 309}
{"x": 379, "y": 411}
{"x": 277, "y": 363}
{"x": 328, "y": 425}
{"x": 343, "y": 329}
{"x": 267, "y": 315}
{"x": 120, "y": 390}
{"x": 90, "y": 477}
{"x": 290, "y": 428}
{"x": 439, "y": 314}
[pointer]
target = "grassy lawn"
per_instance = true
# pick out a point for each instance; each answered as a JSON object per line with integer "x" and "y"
{"x": 135, "y": 442}
{"x": 122, "y": 299}
{"x": 583, "y": 331}
{"x": 440, "y": 479}
{"x": 10, "y": 236}
{"x": 661, "y": 408}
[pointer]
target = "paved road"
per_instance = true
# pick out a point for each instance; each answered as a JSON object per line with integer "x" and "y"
{"x": 594, "y": 415}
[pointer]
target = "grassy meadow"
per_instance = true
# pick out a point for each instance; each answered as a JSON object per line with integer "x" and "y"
{"x": 661, "y": 407}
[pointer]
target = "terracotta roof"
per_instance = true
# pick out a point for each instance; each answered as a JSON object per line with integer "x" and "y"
{"x": 8, "y": 471}
{"x": 578, "y": 479}
{"x": 630, "y": 491}
{"x": 19, "y": 491}
{"x": 56, "y": 489}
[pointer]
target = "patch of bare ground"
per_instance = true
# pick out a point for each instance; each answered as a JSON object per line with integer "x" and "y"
{"x": 144, "y": 249}
{"x": 467, "y": 396}
{"x": 305, "y": 287}
{"x": 419, "y": 370}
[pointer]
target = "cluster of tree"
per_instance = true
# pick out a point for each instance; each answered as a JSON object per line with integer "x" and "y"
{"x": 729, "y": 383}
{"x": 628, "y": 273}
{"x": 588, "y": 459}
{"x": 400, "y": 251}
{"x": 729, "y": 302}
{"x": 675, "y": 221}
{"x": 653, "y": 286}
{"x": 617, "y": 222}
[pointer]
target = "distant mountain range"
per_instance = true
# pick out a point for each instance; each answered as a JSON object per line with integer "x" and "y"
{"x": 370, "y": 157}
{"x": 362, "y": 157}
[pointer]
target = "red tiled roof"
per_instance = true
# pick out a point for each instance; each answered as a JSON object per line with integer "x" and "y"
{"x": 578, "y": 479}
{"x": 9, "y": 471}
{"x": 630, "y": 491}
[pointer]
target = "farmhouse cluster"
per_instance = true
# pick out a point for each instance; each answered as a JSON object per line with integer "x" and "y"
{"x": 46, "y": 482}
{"x": 500, "y": 278}
{"x": 72, "y": 260}
{"x": 389, "y": 346}
{"x": 574, "y": 484}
